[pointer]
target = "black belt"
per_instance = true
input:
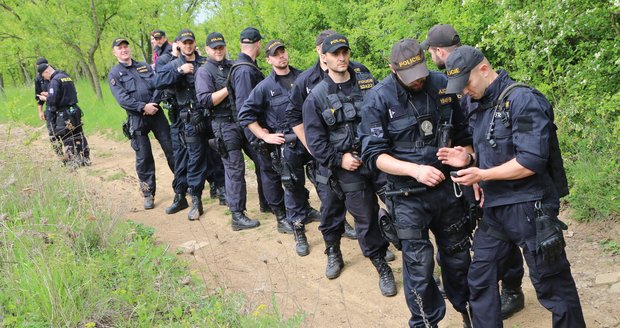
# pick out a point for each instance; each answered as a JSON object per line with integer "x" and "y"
{"x": 222, "y": 119}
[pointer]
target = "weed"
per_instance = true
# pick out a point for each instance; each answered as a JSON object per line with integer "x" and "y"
{"x": 610, "y": 246}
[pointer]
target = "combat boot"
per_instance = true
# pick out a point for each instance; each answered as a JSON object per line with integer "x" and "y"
{"x": 283, "y": 225}
{"x": 241, "y": 222}
{"x": 387, "y": 285}
{"x": 212, "y": 191}
{"x": 149, "y": 202}
{"x": 221, "y": 195}
{"x": 335, "y": 263}
{"x": 301, "y": 242}
{"x": 389, "y": 255}
{"x": 349, "y": 231}
{"x": 179, "y": 203}
{"x": 196, "y": 211}
{"x": 312, "y": 215}
{"x": 512, "y": 301}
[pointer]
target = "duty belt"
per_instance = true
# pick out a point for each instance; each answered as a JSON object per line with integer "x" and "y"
{"x": 222, "y": 119}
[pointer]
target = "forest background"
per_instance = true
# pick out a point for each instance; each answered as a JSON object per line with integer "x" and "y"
{"x": 568, "y": 49}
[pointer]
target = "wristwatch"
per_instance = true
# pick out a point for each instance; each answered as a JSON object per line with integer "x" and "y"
{"x": 180, "y": 69}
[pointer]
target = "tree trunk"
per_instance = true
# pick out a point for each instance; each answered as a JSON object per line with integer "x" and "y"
{"x": 94, "y": 76}
{"x": 2, "y": 86}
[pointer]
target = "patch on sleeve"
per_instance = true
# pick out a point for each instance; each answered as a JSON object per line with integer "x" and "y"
{"x": 377, "y": 131}
{"x": 525, "y": 123}
{"x": 112, "y": 81}
{"x": 50, "y": 91}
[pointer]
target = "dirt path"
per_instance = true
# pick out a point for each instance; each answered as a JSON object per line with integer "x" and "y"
{"x": 263, "y": 265}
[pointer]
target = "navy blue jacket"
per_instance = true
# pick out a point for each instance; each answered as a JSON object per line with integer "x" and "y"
{"x": 207, "y": 84}
{"x": 62, "y": 93}
{"x": 526, "y": 138}
{"x": 303, "y": 84}
{"x": 182, "y": 84}
{"x": 267, "y": 104}
{"x": 244, "y": 79}
{"x": 390, "y": 124}
{"x": 317, "y": 131}
{"x": 132, "y": 86}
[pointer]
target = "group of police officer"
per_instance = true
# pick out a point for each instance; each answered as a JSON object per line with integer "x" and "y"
{"x": 417, "y": 140}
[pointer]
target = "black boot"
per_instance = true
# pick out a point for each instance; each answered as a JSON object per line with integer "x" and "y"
{"x": 349, "y": 231}
{"x": 264, "y": 208}
{"x": 221, "y": 194}
{"x": 301, "y": 242}
{"x": 283, "y": 225}
{"x": 179, "y": 203}
{"x": 241, "y": 222}
{"x": 196, "y": 211}
{"x": 149, "y": 202}
{"x": 335, "y": 263}
{"x": 389, "y": 255}
{"x": 387, "y": 285}
{"x": 212, "y": 191}
{"x": 312, "y": 215}
{"x": 512, "y": 300}
{"x": 466, "y": 320}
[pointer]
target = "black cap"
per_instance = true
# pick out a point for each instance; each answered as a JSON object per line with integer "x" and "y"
{"x": 215, "y": 40}
{"x": 459, "y": 65}
{"x": 441, "y": 35}
{"x": 185, "y": 35}
{"x": 41, "y": 60}
{"x": 118, "y": 41}
{"x": 272, "y": 46}
{"x": 334, "y": 42}
{"x": 407, "y": 58}
{"x": 42, "y": 67}
{"x": 250, "y": 35}
{"x": 321, "y": 37}
{"x": 157, "y": 34}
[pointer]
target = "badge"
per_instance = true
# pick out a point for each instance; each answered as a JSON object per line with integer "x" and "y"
{"x": 426, "y": 125}
{"x": 377, "y": 131}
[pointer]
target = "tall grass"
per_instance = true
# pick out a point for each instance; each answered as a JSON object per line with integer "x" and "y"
{"x": 65, "y": 261}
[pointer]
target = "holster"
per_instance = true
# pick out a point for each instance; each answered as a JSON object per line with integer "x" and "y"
{"x": 288, "y": 177}
{"x": 126, "y": 128}
{"x": 261, "y": 147}
{"x": 335, "y": 187}
{"x": 311, "y": 172}
{"x": 388, "y": 229}
{"x": 219, "y": 146}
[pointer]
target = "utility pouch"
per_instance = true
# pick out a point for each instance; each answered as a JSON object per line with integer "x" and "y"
{"x": 275, "y": 162}
{"x": 549, "y": 237}
{"x": 335, "y": 187}
{"x": 289, "y": 179}
{"x": 219, "y": 146}
{"x": 388, "y": 229}
{"x": 444, "y": 136}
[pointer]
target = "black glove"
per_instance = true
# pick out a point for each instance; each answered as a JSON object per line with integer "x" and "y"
{"x": 549, "y": 237}
{"x": 388, "y": 229}
{"x": 197, "y": 119}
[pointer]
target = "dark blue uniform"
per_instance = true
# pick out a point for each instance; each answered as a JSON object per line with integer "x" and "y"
{"x": 509, "y": 206}
{"x": 62, "y": 100}
{"x": 132, "y": 86}
{"x": 329, "y": 137}
{"x": 244, "y": 79}
{"x": 195, "y": 140}
{"x": 42, "y": 85}
{"x": 390, "y": 125}
{"x": 266, "y": 105}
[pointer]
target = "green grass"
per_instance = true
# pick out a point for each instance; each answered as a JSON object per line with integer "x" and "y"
{"x": 610, "y": 246}
{"x": 115, "y": 176}
{"x": 65, "y": 261}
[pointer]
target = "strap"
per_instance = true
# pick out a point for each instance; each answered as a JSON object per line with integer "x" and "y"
{"x": 411, "y": 233}
{"x": 322, "y": 179}
{"x": 354, "y": 186}
{"x": 193, "y": 140}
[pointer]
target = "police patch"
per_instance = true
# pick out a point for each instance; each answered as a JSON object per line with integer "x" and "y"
{"x": 113, "y": 82}
{"x": 377, "y": 131}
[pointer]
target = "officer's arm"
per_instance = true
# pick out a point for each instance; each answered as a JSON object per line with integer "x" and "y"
{"x": 317, "y": 135}
{"x": 53, "y": 95}
{"x": 293, "y": 113}
{"x": 121, "y": 95}
{"x": 167, "y": 76}
{"x": 242, "y": 80}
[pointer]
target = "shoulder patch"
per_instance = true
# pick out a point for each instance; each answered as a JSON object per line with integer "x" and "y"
{"x": 112, "y": 81}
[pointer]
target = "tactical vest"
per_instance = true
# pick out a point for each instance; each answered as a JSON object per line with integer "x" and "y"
{"x": 231, "y": 87}
{"x": 555, "y": 163}
{"x": 341, "y": 113}
{"x": 185, "y": 91}
{"x": 220, "y": 74}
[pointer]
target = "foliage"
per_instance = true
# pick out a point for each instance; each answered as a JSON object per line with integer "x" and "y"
{"x": 66, "y": 262}
{"x": 610, "y": 246}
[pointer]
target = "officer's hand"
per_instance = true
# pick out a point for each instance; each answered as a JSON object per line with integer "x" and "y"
{"x": 187, "y": 68}
{"x": 469, "y": 176}
{"x": 478, "y": 194}
{"x": 44, "y": 93}
{"x": 150, "y": 109}
{"x": 428, "y": 175}
{"x": 42, "y": 96}
{"x": 273, "y": 138}
{"x": 41, "y": 116}
{"x": 455, "y": 157}
{"x": 349, "y": 162}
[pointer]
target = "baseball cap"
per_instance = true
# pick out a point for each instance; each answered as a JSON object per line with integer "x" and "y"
{"x": 459, "y": 65}
{"x": 272, "y": 46}
{"x": 407, "y": 58}
{"x": 118, "y": 41}
{"x": 158, "y": 34}
{"x": 250, "y": 35}
{"x": 42, "y": 67}
{"x": 441, "y": 35}
{"x": 215, "y": 40}
{"x": 321, "y": 37}
{"x": 334, "y": 42}
{"x": 185, "y": 35}
{"x": 41, "y": 60}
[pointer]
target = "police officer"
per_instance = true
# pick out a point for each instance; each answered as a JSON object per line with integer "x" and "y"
{"x": 42, "y": 85}
{"x": 330, "y": 117}
{"x": 131, "y": 83}
{"x": 244, "y": 76}
{"x": 335, "y": 210}
{"x": 440, "y": 42}
{"x": 406, "y": 117}
{"x": 179, "y": 75}
{"x": 61, "y": 98}
{"x": 264, "y": 114}
{"x": 162, "y": 46}
{"x": 520, "y": 169}
{"x": 212, "y": 93}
